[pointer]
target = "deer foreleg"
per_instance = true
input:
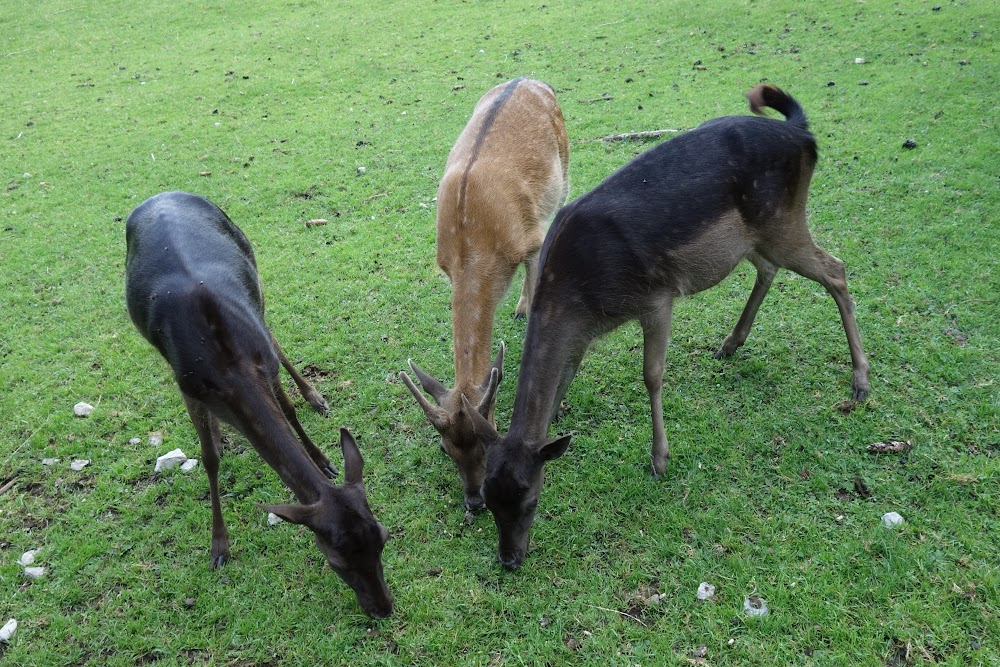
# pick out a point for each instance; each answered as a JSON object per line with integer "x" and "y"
{"x": 656, "y": 335}
{"x": 313, "y": 397}
{"x": 207, "y": 427}
{"x": 528, "y": 288}
{"x": 288, "y": 409}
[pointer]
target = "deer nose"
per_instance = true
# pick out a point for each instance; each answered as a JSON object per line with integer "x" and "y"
{"x": 474, "y": 503}
{"x": 510, "y": 562}
{"x": 382, "y": 612}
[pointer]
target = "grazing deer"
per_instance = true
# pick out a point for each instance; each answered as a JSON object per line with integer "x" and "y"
{"x": 192, "y": 291}
{"x": 504, "y": 179}
{"x": 674, "y": 221}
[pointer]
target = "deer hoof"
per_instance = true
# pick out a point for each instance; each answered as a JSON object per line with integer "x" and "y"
{"x": 329, "y": 470}
{"x": 520, "y": 316}
{"x": 219, "y": 560}
{"x": 318, "y": 404}
{"x": 658, "y": 470}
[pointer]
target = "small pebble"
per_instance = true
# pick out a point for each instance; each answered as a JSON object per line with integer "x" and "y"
{"x": 8, "y": 630}
{"x": 171, "y": 459}
{"x": 859, "y": 61}
{"x": 189, "y": 602}
{"x": 82, "y": 409}
{"x": 706, "y": 591}
{"x": 654, "y": 599}
{"x": 79, "y": 464}
{"x": 362, "y": 170}
{"x": 28, "y": 557}
{"x": 892, "y": 519}
{"x": 34, "y": 572}
{"x": 189, "y": 465}
{"x": 156, "y": 438}
{"x": 49, "y": 462}
{"x": 755, "y": 606}
{"x": 134, "y": 441}
{"x": 273, "y": 519}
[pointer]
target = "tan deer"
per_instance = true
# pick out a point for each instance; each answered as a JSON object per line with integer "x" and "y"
{"x": 504, "y": 180}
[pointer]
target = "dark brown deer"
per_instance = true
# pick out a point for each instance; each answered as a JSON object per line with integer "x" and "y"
{"x": 504, "y": 179}
{"x": 674, "y": 221}
{"x": 192, "y": 291}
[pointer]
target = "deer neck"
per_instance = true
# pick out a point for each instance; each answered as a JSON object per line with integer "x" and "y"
{"x": 262, "y": 423}
{"x": 549, "y": 355}
{"x": 472, "y": 332}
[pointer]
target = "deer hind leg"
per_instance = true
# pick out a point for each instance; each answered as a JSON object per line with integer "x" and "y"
{"x": 765, "y": 276}
{"x": 207, "y": 427}
{"x": 288, "y": 409}
{"x": 528, "y": 288}
{"x": 656, "y": 336}
{"x": 313, "y": 397}
{"x": 809, "y": 260}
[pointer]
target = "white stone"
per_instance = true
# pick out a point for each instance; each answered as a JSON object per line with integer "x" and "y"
{"x": 82, "y": 409}
{"x": 171, "y": 459}
{"x": 362, "y": 170}
{"x": 892, "y": 519}
{"x": 79, "y": 464}
{"x": 754, "y": 606}
{"x": 859, "y": 61}
{"x": 189, "y": 465}
{"x": 706, "y": 591}
{"x": 49, "y": 462}
{"x": 273, "y": 519}
{"x": 156, "y": 438}
{"x": 8, "y": 630}
{"x": 28, "y": 557}
{"x": 34, "y": 572}
{"x": 134, "y": 441}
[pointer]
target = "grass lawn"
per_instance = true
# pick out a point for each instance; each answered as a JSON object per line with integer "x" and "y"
{"x": 271, "y": 109}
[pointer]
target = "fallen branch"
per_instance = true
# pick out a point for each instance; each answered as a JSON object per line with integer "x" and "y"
{"x": 638, "y": 136}
{"x": 7, "y": 487}
{"x": 606, "y": 98}
{"x": 622, "y": 613}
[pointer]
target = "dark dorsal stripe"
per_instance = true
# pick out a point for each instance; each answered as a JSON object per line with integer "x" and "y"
{"x": 491, "y": 116}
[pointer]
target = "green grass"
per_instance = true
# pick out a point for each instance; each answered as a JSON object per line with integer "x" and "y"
{"x": 109, "y": 103}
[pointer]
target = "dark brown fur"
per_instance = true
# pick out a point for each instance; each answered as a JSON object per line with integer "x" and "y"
{"x": 674, "y": 221}
{"x": 192, "y": 291}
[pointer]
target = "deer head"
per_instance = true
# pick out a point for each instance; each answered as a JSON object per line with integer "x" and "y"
{"x": 347, "y": 532}
{"x": 515, "y": 470}
{"x": 452, "y": 417}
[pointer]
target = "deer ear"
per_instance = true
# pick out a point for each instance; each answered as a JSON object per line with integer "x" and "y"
{"x": 483, "y": 429}
{"x": 299, "y": 514}
{"x": 554, "y": 448}
{"x": 353, "y": 463}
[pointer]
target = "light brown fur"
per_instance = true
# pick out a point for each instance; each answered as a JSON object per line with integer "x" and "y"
{"x": 504, "y": 180}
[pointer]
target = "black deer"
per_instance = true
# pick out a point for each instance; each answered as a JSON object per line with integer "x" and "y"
{"x": 674, "y": 221}
{"x": 192, "y": 291}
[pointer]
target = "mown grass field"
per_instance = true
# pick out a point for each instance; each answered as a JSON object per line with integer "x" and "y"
{"x": 270, "y": 109}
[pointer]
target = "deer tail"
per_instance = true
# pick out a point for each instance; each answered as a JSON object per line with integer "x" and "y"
{"x": 766, "y": 95}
